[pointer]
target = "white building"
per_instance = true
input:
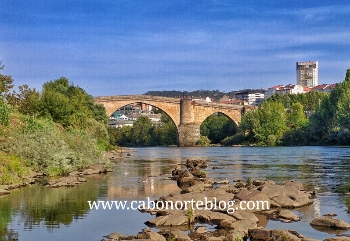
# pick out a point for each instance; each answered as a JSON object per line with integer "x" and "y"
{"x": 307, "y": 73}
{"x": 250, "y": 96}
{"x": 284, "y": 90}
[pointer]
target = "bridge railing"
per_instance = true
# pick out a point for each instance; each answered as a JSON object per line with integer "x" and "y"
{"x": 141, "y": 98}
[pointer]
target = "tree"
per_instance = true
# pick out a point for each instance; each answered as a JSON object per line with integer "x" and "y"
{"x": 217, "y": 127}
{"x": 142, "y": 131}
{"x": 297, "y": 117}
{"x": 265, "y": 125}
{"x": 5, "y": 84}
{"x": 65, "y": 103}
{"x": 164, "y": 134}
{"x": 27, "y": 100}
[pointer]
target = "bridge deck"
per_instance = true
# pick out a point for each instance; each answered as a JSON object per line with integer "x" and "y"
{"x": 140, "y": 98}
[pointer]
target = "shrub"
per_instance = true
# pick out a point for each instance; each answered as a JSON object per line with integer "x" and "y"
{"x": 12, "y": 169}
{"x": 203, "y": 141}
{"x": 4, "y": 113}
{"x": 236, "y": 139}
{"x": 55, "y": 153}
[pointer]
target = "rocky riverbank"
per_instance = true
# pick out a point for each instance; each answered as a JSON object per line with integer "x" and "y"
{"x": 73, "y": 179}
{"x": 267, "y": 200}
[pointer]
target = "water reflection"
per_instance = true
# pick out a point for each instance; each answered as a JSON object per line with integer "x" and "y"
{"x": 36, "y": 213}
{"x": 36, "y": 206}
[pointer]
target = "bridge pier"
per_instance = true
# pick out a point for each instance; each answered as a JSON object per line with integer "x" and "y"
{"x": 189, "y": 129}
{"x": 186, "y": 114}
{"x": 189, "y": 134}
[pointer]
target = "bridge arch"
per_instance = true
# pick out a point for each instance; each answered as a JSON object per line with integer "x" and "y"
{"x": 228, "y": 115}
{"x": 186, "y": 114}
{"x": 171, "y": 110}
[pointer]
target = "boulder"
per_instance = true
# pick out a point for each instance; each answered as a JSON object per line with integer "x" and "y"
{"x": 115, "y": 236}
{"x": 330, "y": 222}
{"x": 288, "y": 215}
{"x": 241, "y": 226}
{"x": 338, "y": 239}
{"x": 196, "y": 163}
{"x": 272, "y": 235}
{"x": 208, "y": 216}
{"x": 149, "y": 234}
{"x": 179, "y": 174}
{"x": 4, "y": 192}
{"x": 244, "y": 215}
{"x": 69, "y": 181}
{"x": 175, "y": 218}
{"x": 179, "y": 235}
{"x": 198, "y": 187}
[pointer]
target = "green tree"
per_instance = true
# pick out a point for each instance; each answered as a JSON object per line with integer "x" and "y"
{"x": 6, "y": 84}
{"x": 142, "y": 131}
{"x": 297, "y": 117}
{"x": 165, "y": 134}
{"x": 65, "y": 103}
{"x": 265, "y": 125}
{"x": 217, "y": 127}
{"x": 27, "y": 100}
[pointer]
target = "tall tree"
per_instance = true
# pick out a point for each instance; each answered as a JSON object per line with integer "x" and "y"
{"x": 6, "y": 84}
{"x": 142, "y": 131}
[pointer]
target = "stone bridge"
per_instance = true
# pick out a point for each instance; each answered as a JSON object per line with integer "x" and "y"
{"x": 187, "y": 114}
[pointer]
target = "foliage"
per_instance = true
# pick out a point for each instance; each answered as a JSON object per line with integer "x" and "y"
{"x": 329, "y": 124}
{"x": 4, "y": 113}
{"x": 12, "y": 169}
{"x": 6, "y": 84}
{"x": 238, "y": 237}
{"x": 27, "y": 101}
{"x": 265, "y": 125}
{"x": 236, "y": 139}
{"x": 144, "y": 133}
{"x": 217, "y": 127}
{"x": 329, "y": 121}
{"x": 190, "y": 216}
{"x": 68, "y": 104}
{"x": 50, "y": 148}
{"x": 203, "y": 141}
{"x": 310, "y": 100}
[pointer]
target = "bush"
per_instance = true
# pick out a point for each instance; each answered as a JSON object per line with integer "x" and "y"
{"x": 271, "y": 140}
{"x": 12, "y": 169}
{"x": 236, "y": 139}
{"x": 4, "y": 113}
{"x": 53, "y": 151}
{"x": 203, "y": 141}
{"x": 341, "y": 137}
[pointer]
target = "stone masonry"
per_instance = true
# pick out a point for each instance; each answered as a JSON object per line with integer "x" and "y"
{"x": 187, "y": 114}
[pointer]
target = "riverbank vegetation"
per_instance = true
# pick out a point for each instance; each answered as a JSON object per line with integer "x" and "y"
{"x": 144, "y": 133}
{"x": 304, "y": 119}
{"x": 53, "y": 132}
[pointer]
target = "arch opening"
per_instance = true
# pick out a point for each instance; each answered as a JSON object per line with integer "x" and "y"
{"x": 217, "y": 127}
{"x": 142, "y": 124}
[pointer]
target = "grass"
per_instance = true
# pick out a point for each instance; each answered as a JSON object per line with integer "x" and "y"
{"x": 48, "y": 147}
{"x": 12, "y": 169}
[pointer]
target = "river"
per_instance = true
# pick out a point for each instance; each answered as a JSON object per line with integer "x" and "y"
{"x": 40, "y": 213}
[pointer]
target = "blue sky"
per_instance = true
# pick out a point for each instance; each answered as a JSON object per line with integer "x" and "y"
{"x": 113, "y": 47}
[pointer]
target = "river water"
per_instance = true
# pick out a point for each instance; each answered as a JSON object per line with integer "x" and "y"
{"x": 40, "y": 213}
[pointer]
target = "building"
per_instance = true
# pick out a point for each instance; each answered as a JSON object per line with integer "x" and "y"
{"x": 250, "y": 96}
{"x": 284, "y": 90}
{"x": 307, "y": 73}
{"x": 324, "y": 87}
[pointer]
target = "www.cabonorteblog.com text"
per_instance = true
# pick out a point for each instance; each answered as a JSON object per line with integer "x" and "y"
{"x": 205, "y": 204}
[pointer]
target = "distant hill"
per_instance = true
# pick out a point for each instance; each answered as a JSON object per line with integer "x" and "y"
{"x": 217, "y": 94}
